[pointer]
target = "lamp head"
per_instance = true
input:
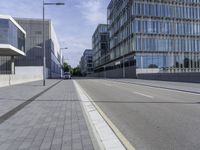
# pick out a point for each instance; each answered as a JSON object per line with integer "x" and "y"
{"x": 60, "y": 3}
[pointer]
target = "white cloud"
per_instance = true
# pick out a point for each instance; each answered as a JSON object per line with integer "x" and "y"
{"x": 21, "y": 8}
{"x": 93, "y": 11}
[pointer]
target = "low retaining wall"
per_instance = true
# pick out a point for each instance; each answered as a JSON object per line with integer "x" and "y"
{"x": 176, "y": 77}
{"x": 130, "y": 72}
{"x": 7, "y": 80}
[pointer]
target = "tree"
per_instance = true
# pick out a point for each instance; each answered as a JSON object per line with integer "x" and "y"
{"x": 67, "y": 67}
{"x": 152, "y": 66}
{"x": 76, "y": 71}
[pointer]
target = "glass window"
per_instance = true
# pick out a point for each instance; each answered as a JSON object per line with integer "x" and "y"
{"x": 10, "y": 34}
{"x": 4, "y": 26}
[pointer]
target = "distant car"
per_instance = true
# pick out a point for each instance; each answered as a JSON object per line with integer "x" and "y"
{"x": 67, "y": 75}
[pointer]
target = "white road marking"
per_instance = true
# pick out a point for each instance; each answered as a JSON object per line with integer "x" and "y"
{"x": 145, "y": 95}
{"x": 108, "y": 84}
{"x": 103, "y": 128}
{"x": 160, "y": 88}
{"x": 185, "y": 92}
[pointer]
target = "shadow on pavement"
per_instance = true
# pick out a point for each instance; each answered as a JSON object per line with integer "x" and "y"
{"x": 112, "y": 102}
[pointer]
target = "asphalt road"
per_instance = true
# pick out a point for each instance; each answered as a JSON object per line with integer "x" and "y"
{"x": 150, "y": 118}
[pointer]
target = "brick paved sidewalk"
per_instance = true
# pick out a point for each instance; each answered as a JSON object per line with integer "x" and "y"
{"x": 53, "y": 121}
{"x": 12, "y": 96}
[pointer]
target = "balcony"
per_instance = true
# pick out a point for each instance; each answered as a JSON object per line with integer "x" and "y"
{"x": 12, "y": 37}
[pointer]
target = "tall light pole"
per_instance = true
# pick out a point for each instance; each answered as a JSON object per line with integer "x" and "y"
{"x": 44, "y": 49}
{"x": 62, "y": 49}
{"x": 124, "y": 72}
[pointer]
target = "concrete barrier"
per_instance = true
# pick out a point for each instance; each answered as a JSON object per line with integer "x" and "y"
{"x": 130, "y": 72}
{"x": 7, "y": 80}
{"x": 177, "y": 77}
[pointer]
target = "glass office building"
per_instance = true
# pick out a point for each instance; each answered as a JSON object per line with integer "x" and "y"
{"x": 160, "y": 36}
{"x": 86, "y": 63}
{"x": 100, "y": 45}
{"x": 34, "y": 50}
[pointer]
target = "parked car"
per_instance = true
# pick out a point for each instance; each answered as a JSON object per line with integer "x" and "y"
{"x": 67, "y": 75}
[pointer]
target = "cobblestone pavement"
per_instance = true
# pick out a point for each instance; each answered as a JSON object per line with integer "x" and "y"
{"x": 53, "y": 121}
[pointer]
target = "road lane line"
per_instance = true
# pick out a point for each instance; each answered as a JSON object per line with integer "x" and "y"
{"x": 109, "y": 134}
{"x": 107, "y": 84}
{"x": 145, "y": 95}
{"x": 159, "y": 87}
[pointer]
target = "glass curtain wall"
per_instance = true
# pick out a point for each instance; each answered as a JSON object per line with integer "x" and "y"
{"x": 167, "y": 35}
{"x": 10, "y": 34}
{"x": 100, "y": 45}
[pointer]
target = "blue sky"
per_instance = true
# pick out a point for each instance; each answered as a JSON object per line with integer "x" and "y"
{"x": 74, "y": 23}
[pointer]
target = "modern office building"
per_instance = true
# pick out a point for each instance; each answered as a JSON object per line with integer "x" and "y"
{"x": 154, "y": 36}
{"x": 100, "y": 46}
{"x": 33, "y": 62}
{"x": 12, "y": 42}
{"x": 86, "y": 63}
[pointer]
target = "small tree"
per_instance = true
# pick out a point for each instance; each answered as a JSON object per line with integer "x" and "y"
{"x": 67, "y": 67}
{"x": 77, "y": 71}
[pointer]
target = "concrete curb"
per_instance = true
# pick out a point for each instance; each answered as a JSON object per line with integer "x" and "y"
{"x": 92, "y": 131}
{"x": 108, "y": 140}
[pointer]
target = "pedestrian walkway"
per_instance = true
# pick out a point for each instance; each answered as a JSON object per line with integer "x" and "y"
{"x": 53, "y": 121}
{"x": 12, "y": 96}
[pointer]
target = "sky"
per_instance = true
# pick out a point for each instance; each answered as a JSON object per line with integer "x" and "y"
{"x": 74, "y": 23}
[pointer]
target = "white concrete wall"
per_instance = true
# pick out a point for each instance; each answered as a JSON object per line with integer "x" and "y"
{"x": 22, "y": 75}
{"x": 29, "y": 70}
{"x": 55, "y": 41}
{"x": 149, "y": 70}
{"x": 7, "y": 80}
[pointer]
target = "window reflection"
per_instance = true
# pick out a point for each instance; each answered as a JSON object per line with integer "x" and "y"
{"x": 10, "y": 34}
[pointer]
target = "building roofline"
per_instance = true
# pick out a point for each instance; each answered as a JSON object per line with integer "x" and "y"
{"x": 87, "y": 50}
{"x": 34, "y": 19}
{"x": 13, "y": 21}
{"x": 109, "y": 5}
{"x": 98, "y": 27}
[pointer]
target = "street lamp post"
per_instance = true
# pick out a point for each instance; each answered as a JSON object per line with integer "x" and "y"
{"x": 105, "y": 71}
{"x": 124, "y": 73}
{"x": 44, "y": 49}
{"x": 62, "y": 49}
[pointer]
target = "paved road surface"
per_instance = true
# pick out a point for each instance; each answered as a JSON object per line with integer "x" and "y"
{"x": 150, "y": 118}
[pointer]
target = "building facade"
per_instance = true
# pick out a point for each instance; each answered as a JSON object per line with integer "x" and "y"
{"x": 154, "y": 36}
{"x": 100, "y": 46}
{"x": 86, "y": 62}
{"x": 12, "y": 42}
{"x": 34, "y": 49}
